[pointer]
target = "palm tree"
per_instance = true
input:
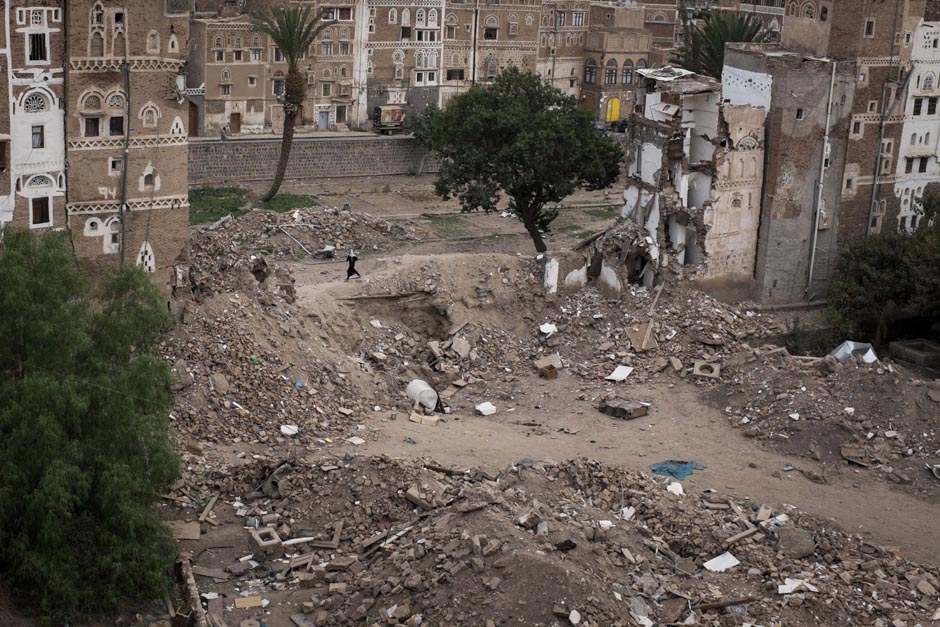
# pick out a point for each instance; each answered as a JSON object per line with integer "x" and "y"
{"x": 292, "y": 29}
{"x": 703, "y": 50}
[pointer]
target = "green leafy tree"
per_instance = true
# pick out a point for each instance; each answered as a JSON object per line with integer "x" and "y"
{"x": 293, "y": 30}
{"x": 887, "y": 277}
{"x": 520, "y": 137}
{"x": 84, "y": 451}
{"x": 703, "y": 46}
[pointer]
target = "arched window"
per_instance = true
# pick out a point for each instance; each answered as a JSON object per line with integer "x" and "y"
{"x": 146, "y": 258}
{"x": 627, "y": 72}
{"x": 97, "y": 15}
{"x": 327, "y": 34}
{"x": 343, "y": 71}
{"x": 491, "y": 69}
{"x": 327, "y": 75}
{"x": 393, "y": 16}
{"x": 568, "y": 40}
{"x": 543, "y": 40}
{"x": 35, "y": 103}
{"x": 153, "y": 42}
{"x": 149, "y": 179}
{"x": 420, "y": 58}
{"x": 913, "y": 139}
{"x": 218, "y": 41}
{"x": 610, "y": 72}
{"x": 927, "y": 139}
{"x": 640, "y": 65}
{"x": 419, "y": 18}
{"x": 432, "y": 18}
{"x": 399, "y": 72}
{"x": 590, "y": 72}
{"x": 792, "y": 8}
{"x": 823, "y": 14}
{"x": 808, "y": 10}
{"x": 529, "y": 20}
{"x": 39, "y": 181}
{"x": 256, "y": 41}
{"x": 928, "y": 82}
{"x": 238, "y": 43}
{"x": 455, "y": 59}
{"x": 174, "y": 44}
{"x": 344, "y": 34}
{"x": 116, "y": 101}
{"x": 405, "y": 17}
{"x": 91, "y": 102}
{"x": 149, "y": 115}
{"x": 226, "y": 75}
{"x": 398, "y": 57}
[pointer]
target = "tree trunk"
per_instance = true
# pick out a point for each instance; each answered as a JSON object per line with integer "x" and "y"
{"x": 293, "y": 98}
{"x": 531, "y": 225}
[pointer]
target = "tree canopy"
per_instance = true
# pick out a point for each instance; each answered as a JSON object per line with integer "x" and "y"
{"x": 293, "y": 29}
{"x": 84, "y": 452}
{"x": 703, "y": 46}
{"x": 888, "y": 276}
{"x": 520, "y": 137}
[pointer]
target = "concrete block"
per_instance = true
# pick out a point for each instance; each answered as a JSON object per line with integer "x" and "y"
{"x": 706, "y": 369}
{"x": 265, "y": 541}
{"x": 920, "y": 352}
{"x": 576, "y": 279}
{"x": 551, "y": 276}
{"x": 608, "y": 282}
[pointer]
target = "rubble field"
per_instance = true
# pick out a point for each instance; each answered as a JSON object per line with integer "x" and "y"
{"x": 290, "y": 382}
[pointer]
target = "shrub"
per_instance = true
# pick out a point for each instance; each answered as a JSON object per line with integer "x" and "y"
{"x": 84, "y": 452}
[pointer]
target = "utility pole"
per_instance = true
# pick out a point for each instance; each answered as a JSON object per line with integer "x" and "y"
{"x": 127, "y": 138}
{"x": 473, "y": 52}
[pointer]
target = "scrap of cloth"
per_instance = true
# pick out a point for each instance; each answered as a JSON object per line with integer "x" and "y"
{"x": 679, "y": 470}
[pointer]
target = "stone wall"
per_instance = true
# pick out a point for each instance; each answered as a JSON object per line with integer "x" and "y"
{"x": 216, "y": 162}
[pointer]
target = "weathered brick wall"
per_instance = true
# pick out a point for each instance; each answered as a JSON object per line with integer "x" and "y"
{"x": 213, "y": 162}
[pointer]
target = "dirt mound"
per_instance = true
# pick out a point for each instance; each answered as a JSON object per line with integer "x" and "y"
{"x": 381, "y": 541}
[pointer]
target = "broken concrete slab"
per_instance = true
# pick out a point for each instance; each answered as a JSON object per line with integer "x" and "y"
{"x": 609, "y": 282}
{"x": 461, "y": 347}
{"x": 486, "y": 409}
{"x": 183, "y": 530}
{"x": 623, "y": 408}
{"x": 706, "y": 369}
{"x": 641, "y": 338}
{"x": 549, "y": 366}
{"x": 551, "y": 276}
{"x": 620, "y": 373}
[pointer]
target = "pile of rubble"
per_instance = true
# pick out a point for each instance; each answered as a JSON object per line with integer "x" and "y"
{"x": 672, "y": 330}
{"x": 867, "y": 414}
{"x": 376, "y": 541}
{"x": 317, "y": 232}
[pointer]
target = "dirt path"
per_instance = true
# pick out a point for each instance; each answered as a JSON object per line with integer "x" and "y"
{"x": 540, "y": 419}
{"x": 680, "y": 426}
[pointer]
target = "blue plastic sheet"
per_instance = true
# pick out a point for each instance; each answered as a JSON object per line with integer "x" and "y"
{"x": 678, "y": 469}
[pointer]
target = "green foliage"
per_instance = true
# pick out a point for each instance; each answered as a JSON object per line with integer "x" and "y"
{"x": 208, "y": 204}
{"x": 703, "y": 47}
{"x": 886, "y": 277}
{"x": 293, "y": 29}
{"x": 289, "y": 202}
{"x": 520, "y": 137}
{"x": 84, "y": 452}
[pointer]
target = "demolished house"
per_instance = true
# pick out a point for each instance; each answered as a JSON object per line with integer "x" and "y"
{"x": 694, "y": 166}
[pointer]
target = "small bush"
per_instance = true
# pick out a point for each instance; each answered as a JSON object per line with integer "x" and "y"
{"x": 84, "y": 452}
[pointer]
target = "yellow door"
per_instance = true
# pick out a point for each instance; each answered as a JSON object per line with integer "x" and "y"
{"x": 613, "y": 109}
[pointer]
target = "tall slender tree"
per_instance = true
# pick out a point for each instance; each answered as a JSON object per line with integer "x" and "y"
{"x": 703, "y": 48}
{"x": 292, "y": 30}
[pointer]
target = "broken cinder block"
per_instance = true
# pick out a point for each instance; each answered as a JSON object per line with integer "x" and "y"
{"x": 706, "y": 369}
{"x": 622, "y": 408}
{"x": 265, "y": 541}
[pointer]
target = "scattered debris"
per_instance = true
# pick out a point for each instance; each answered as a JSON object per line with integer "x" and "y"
{"x": 677, "y": 469}
{"x": 622, "y": 408}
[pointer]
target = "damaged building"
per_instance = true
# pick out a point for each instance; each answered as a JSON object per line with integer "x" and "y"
{"x": 685, "y": 185}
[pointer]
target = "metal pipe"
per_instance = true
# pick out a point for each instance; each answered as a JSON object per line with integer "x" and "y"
{"x": 473, "y": 52}
{"x": 883, "y": 125}
{"x": 819, "y": 184}
{"x": 127, "y": 139}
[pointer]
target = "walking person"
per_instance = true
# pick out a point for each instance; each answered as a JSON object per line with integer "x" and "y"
{"x": 351, "y": 270}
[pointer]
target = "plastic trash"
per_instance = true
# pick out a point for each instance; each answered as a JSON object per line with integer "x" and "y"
{"x": 848, "y": 349}
{"x": 678, "y": 469}
{"x": 421, "y": 393}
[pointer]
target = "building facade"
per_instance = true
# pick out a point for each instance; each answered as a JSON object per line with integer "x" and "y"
{"x": 126, "y": 133}
{"x": 617, "y": 45}
{"x": 32, "y": 117}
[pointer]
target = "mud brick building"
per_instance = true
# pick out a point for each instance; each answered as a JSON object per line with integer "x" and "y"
{"x": 126, "y": 132}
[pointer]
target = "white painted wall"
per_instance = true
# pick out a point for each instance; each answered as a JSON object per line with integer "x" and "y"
{"x": 746, "y": 87}
{"x": 910, "y": 186}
